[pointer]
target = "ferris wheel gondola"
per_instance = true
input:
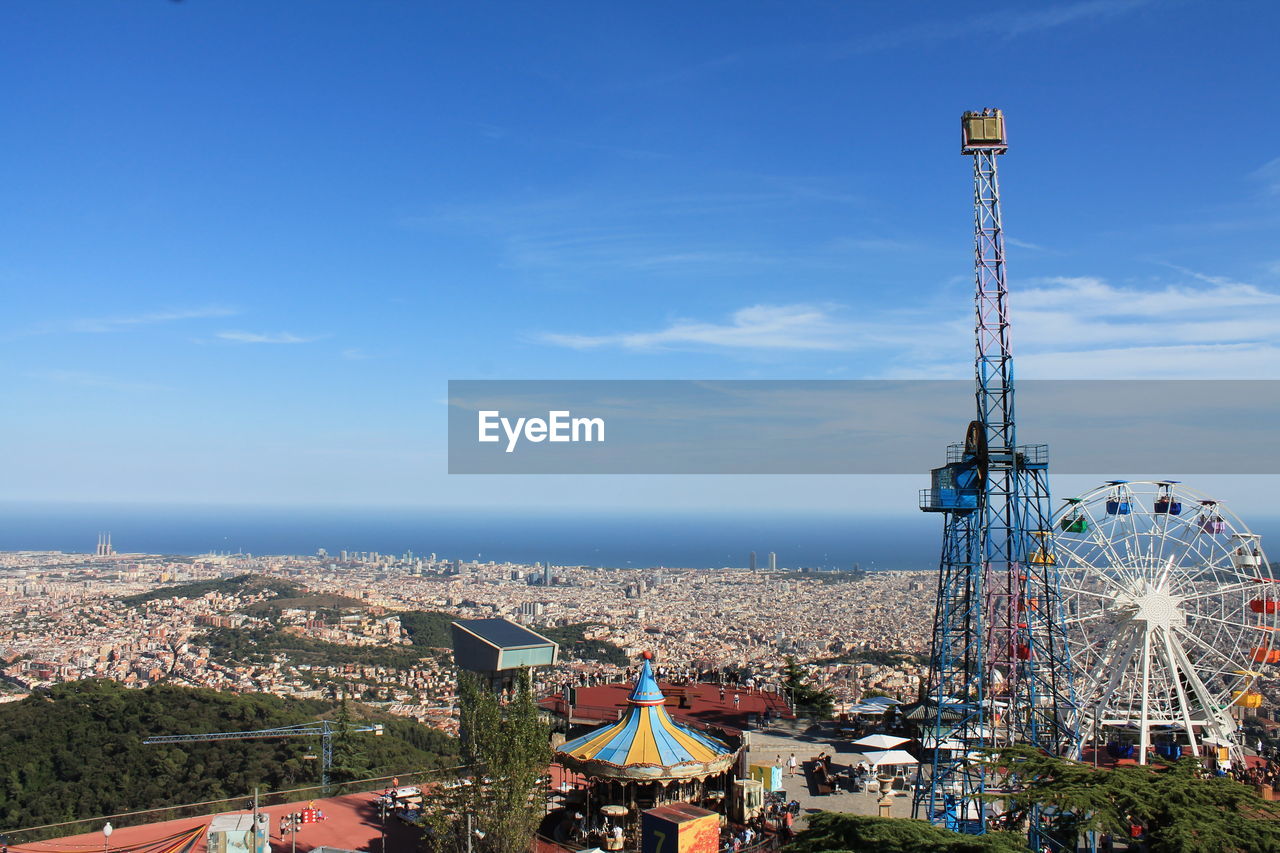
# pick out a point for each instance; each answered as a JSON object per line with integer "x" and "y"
{"x": 1170, "y": 608}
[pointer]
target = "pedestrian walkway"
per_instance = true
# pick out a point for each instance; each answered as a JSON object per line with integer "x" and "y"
{"x": 775, "y": 744}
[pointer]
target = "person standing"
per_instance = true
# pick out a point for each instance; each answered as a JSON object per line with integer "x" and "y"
{"x": 791, "y": 765}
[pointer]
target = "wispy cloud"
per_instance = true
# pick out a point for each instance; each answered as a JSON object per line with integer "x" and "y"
{"x": 773, "y": 327}
{"x": 1023, "y": 244}
{"x": 264, "y": 337}
{"x": 355, "y": 354}
{"x": 1269, "y": 176}
{"x": 1076, "y": 327}
{"x": 1084, "y": 327}
{"x": 124, "y": 322}
{"x": 93, "y": 380}
{"x": 876, "y": 244}
{"x": 1004, "y": 24}
{"x": 646, "y": 232}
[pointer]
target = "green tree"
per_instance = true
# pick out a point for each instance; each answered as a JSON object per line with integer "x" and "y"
{"x": 75, "y": 750}
{"x": 830, "y": 832}
{"x": 1181, "y": 809}
{"x": 507, "y": 746}
{"x": 807, "y": 699}
{"x": 349, "y": 762}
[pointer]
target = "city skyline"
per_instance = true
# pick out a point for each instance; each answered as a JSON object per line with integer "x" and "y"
{"x": 250, "y": 247}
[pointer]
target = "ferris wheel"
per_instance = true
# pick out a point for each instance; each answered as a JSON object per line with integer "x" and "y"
{"x": 1171, "y": 611}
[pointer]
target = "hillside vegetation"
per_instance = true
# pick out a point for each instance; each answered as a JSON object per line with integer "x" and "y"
{"x": 76, "y": 751}
{"x": 575, "y": 645}
{"x": 239, "y": 585}
{"x": 237, "y": 646}
{"x": 429, "y": 628}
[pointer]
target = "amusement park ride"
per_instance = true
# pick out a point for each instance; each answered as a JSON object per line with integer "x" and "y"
{"x": 1139, "y": 612}
{"x": 323, "y": 729}
{"x": 999, "y": 636}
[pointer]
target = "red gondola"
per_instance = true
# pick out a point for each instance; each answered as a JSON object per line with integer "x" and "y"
{"x": 1262, "y": 654}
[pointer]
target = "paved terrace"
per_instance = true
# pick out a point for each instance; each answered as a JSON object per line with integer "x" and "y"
{"x": 775, "y": 744}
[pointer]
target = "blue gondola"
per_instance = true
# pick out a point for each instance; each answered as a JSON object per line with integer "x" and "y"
{"x": 1120, "y": 749}
{"x": 1117, "y": 507}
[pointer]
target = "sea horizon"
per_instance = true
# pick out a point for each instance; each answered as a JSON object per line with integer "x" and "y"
{"x": 631, "y": 539}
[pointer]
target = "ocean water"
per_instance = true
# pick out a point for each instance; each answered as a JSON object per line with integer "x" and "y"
{"x": 707, "y": 540}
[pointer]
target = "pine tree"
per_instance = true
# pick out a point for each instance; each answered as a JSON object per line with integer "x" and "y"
{"x": 507, "y": 747}
{"x": 807, "y": 700}
{"x": 829, "y": 832}
{"x": 1180, "y": 809}
{"x": 349, "y": 762}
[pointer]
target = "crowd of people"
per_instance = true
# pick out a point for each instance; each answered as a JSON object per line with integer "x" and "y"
{"x": 1263, "y": 775}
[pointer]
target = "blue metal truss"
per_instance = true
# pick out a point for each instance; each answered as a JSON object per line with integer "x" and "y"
{"x": 998, "y": 633}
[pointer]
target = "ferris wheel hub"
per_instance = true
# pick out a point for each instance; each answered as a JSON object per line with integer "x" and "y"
{"x": 1159, "y": 609}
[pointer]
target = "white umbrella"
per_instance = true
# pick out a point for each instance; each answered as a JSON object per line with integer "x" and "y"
{"x": 947, "y": 743}
{"x": 888, "y": 758}
{"x": 880, "y": 741}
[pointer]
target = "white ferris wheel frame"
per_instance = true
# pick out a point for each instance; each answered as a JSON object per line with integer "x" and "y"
{"x": 1159, "y": 614}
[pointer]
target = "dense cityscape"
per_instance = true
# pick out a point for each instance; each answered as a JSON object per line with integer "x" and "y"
{"x": 70, "y": 616}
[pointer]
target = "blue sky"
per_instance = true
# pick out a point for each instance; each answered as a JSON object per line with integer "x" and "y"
{"x": 248, "y": 243}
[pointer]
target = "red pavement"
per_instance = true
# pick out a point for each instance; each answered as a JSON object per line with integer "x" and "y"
{"x": 705, "y": 706}
{"x": 351, "y": 823}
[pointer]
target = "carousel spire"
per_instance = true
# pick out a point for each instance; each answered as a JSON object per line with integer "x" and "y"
{"x": 646, "y": 691}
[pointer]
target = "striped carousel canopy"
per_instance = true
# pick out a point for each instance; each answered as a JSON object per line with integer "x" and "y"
{"x": 646, "y": 744}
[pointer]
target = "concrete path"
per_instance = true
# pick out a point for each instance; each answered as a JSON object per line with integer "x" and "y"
{"x": 775, "y": 744}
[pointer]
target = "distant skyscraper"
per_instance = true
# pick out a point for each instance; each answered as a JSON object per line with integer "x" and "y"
{"x": 753, "y": 561}
{"x": 546, "y": 573}
{"x": 773, "y": 562}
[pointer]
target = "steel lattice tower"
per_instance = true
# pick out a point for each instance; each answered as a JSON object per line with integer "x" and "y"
{"x": 1000, "y": 671}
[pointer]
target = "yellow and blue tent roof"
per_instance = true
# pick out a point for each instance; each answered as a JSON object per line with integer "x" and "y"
{"x": 646, "y": 735}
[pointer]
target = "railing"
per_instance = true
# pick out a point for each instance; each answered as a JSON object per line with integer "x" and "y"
{"x": 610, "y": 713}
{"x": 206, "y": 808}
{"x": 767, "y": 843}
{"x": 1034, "y": 454}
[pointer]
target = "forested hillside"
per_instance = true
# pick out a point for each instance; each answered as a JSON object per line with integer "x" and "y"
{"x": 428, "y": 627}
{"x": 238, "y": 646}
{"x": 76, "y": 750}
{"x": 239, "y": 585}
{"x": 574, "y": 644}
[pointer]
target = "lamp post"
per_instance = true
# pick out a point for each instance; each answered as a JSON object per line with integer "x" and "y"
{"x": 290, "y": 824}
{"x": 106, "y": 836}
{"x": 383, "y": 806}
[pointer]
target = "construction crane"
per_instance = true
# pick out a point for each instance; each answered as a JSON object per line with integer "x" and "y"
{"x": 999, "y": 633}
{"x": 324, "y": 730}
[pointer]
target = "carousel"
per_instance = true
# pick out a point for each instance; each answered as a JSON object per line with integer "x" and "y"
{"x": 647, "y": 759}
